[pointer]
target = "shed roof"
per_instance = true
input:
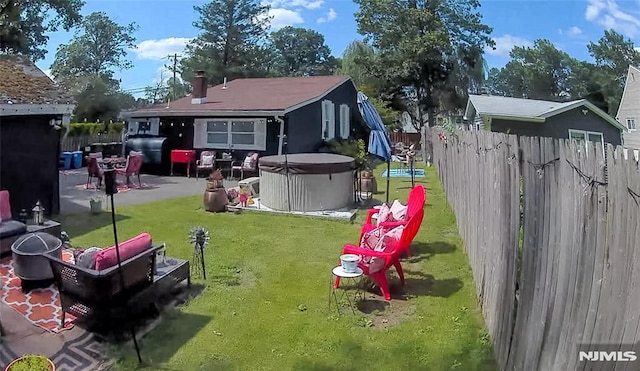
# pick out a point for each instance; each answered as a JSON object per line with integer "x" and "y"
{"x": 277, "y": 95}
{"x": 22, "y": 82}
{"x": 528, "y": 109}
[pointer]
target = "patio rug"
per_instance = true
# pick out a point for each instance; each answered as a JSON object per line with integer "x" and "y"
{"x": 39, "y": 306}
{"x": 122, "y": 187}
{"x": 404, "y": 173}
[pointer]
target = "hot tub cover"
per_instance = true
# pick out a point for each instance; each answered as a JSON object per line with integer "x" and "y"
{"x": 307, "y": 163}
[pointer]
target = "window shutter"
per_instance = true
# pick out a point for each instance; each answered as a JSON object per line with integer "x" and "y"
{"x": 345, "y": 124}
{"x": 260, "y": 135}
{"x": 324, "y": 119}
{"x": 332, "y": 119}
{"x": 154, "y": 126}
{"x": 200, "y": 134}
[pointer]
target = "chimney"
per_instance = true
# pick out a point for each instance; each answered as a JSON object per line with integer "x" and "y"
{"x": 199, "y": 94}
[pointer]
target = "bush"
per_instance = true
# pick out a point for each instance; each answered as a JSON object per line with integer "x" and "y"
{"x": 351, "y": 148}
{"x": 79, "y": 129}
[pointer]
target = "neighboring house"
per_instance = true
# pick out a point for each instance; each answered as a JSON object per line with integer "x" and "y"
{"x": 578, "y": 119}
{"x": 32, "y": 111}
{"x": 629, "y": 110}
{"x": 252, "y": 115}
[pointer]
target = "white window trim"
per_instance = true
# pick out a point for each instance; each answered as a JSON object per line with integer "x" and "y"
{"x": 586, "y": 134}
{"x": 632, "y": 119}
{"x": 259, "y": 132}
{"x": 328, "y": 118}
{"x": 345, "y": 121}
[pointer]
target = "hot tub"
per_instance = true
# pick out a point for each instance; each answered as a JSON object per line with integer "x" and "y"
{"x": 316, "y": 182}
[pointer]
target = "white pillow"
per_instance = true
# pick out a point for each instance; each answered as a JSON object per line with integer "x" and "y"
{"x": 398, "y": 210}
{"x": 207, "y": 160}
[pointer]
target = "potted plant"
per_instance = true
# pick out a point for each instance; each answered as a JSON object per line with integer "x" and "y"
{"x": 31, "y": 362}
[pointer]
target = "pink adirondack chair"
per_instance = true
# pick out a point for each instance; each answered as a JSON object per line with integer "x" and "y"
{"x": 415, "y": 202}
{"x": 94, "y": 171}
{"x": 390, "y": 254}
{"x": 132, "y": 168}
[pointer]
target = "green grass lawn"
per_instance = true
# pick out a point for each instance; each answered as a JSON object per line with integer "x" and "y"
{"x": 265, "y": 302}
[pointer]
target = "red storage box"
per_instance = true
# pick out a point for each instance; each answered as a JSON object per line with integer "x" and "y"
{"x": 183, "y": 156}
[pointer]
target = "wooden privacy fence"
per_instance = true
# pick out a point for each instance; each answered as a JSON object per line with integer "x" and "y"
{"x": 552, "y": 231}
{"x": 406, "y": 138}
{"x": 78, "y": 143}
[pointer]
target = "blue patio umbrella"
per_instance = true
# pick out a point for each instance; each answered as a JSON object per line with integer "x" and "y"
{"x": 379, "y": 142}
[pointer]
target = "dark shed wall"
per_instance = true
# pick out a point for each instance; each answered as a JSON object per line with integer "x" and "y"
{"x": 558, "y": 126}
{"x": 29, "y": 156}
{"x": 304, "y": 128}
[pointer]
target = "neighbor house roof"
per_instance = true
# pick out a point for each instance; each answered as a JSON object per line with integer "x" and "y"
{"x": 25, "y": 89}
{"x": 532, "y": 110}
{"x": 254, "y": 96}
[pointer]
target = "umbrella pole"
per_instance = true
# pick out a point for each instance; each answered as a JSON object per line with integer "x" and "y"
{"x": 388, "y": 177}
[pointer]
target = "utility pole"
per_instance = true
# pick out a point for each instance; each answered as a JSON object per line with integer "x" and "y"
{"x": 174, "y": 69}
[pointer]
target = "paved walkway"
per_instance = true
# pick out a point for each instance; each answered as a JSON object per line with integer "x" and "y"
{"x": 74, "y": 199}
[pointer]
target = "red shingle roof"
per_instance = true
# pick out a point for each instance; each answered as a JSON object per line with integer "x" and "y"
{"x": 258, "y": 94}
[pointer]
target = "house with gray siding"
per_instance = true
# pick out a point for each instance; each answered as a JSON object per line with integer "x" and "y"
{"x": 580, "y": 119}
{"x": 629, "y": 109}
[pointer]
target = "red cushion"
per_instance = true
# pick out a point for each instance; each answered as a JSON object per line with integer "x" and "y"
{"x": 5, "y": 206}
{"x": 107, "y": 258}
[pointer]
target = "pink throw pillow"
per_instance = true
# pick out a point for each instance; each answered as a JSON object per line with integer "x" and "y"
{"x": 398, "y": 210}
{"x": 107, "y": 258}
{"x": 387, "y": 243}
{"x": 384, "y": 215}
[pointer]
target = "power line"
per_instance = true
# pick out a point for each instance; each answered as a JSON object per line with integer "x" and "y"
{"x": 174, "y": 69}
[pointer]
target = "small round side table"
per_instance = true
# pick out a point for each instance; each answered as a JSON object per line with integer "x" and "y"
{"x": 355, "y": 278}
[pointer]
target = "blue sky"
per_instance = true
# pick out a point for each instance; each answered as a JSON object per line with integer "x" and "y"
{"x": 165, "y": 26}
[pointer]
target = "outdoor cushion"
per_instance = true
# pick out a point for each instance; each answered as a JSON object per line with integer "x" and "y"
{"x": 387, "y": 243}
{"x": 107, "y": 258}
{"x": 384, "y": 215}
{"x": 9, "y": 228}
{"x": 207, "y": 160}
{"x": 87, "y": 258}
{"x": 248, "y": 163}
{"x": 398, "y": 210}
{"x": 5, "y": 206}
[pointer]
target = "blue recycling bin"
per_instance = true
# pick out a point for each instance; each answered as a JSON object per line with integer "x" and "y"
{"x": 77, "y": 159}
{"x": 65, "y": 158}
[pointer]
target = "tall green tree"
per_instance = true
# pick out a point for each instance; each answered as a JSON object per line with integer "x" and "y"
{"x": 24, "y": 24}
{"x": 301, "y": 51}
{"x": 418, "y": 45}
{"x": 231, "y": 42}
{"x": 356, "y": 62}
{"x": 613, "y": 54}
{"x": 87, "y": 64}
{"x": 541, "y": 71}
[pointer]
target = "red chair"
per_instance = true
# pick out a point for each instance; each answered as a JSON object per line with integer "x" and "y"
{"x": 94, "y": 170}
{"x": 415, "y": 201}
{"x": 134, "y": 163}
{"x": 249, "y": 165}
{"x": 391, "y": 255}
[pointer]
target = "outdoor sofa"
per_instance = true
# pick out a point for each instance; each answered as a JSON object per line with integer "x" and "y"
{"x": 10, "y": 229}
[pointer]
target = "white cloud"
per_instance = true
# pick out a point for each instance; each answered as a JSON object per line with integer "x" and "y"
{"x": 307, "y": 4}
{"x": 505, "y": 43}
{"x": 607, "y": 13}
{"x": 159, "y": 49}
{"x": 330, "y": 16}
{"x": 571, "y": 31}
{"x": 284, "y": 17}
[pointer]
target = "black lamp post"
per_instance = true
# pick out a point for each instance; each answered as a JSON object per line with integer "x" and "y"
{"x": 111, "y": 189}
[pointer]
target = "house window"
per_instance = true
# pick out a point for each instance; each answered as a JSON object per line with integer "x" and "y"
{"x": 345, "y": 121}
{"x": 243, "y": 134}
{"x": 586, "y": 137}
{"x": 328, "y": 120}
{"x": 631, "y": 124}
